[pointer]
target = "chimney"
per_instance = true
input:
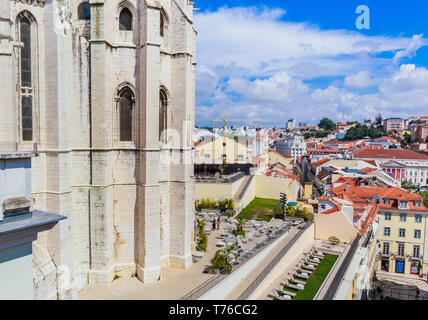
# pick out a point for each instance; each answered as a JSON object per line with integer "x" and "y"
{"x": 347, "y": 187}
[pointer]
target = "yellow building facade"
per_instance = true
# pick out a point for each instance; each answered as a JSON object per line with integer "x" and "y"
{"x": 401, "y": 241}
{"x": 214, "y": 152}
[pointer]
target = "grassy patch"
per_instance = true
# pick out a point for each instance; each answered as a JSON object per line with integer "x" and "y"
{"x": 317, "y": 278}
{"x": 259, "y": 209}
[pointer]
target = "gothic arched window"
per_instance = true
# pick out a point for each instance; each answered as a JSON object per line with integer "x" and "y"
{"x": 84, "y": 11}
{"x": 125, "y": 20}
{"x": 126, "y": 104}
{"x": 162, "y": 24}
{"x": 26, "y": 77}
{"x": 163, "y": 115}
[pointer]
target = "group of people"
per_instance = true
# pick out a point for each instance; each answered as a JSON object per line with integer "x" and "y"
{"x": 216, "y": 223}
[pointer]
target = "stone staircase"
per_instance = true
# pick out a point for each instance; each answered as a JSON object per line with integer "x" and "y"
{"x": 242, "y": 188}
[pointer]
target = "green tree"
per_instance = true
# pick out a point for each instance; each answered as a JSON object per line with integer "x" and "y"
{"x": 239, "y": 228}
{"x": 321, "y": 134}
{"x": 407, "y": 140}
{"x": 221, "y": 261}
{"x": 408, "y": 185}
{"x": 425, "y": 195}
{"x": 361, "y": 131}
{"x": 307, "y": 215}
{"x": 334, "y": 240}
{"x": 277, "y": 211}
{"x": 291, "y": 211}
{"x": 327, "y": 124}
{"x": 379, "y": 119}
{"x": 202, "y": 236}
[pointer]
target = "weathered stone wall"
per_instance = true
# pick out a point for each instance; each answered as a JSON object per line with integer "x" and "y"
{"x": 129, "y": 211}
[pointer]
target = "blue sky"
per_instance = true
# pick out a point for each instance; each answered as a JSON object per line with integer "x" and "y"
{"x": 306, "y": 59}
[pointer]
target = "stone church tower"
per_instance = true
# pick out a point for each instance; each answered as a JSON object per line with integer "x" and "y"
{"x": 105, "y": 91}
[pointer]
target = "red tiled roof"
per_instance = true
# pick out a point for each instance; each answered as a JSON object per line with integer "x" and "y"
{"x": 372, "y": 162}
{"x": 199, "y": 143}
{"x": 322, "y": 175}
{"x": 321, "y": 162}
{"x": 368, "y": 170}
{"x": 389, "y": 154}
{"x": 386, "y": 138}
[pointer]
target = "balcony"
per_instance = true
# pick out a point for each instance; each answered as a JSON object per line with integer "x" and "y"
{"x": 384, "y": 255}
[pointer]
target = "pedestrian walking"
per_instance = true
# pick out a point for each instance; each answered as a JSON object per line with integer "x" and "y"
{"x": 214, "y": 224}
{"x": 218, "y": 223}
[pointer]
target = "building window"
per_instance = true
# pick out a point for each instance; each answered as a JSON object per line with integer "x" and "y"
{"x": 207, "y": 156}
{"x": 126, "y": 104}
{"x": 418, "y": 203}
{"x": 84, "y": 11}
{"x": 162, "y": 24}
{"x": 402, "y": 233}
{"x": 403, "y": 204}
{"x": 403, "y": 217}
{"x": 416, "y": 251}
{"x": 385, "y": 264}
{"x": 388, "y": 216}
{"x": 400, "y": 251}
{"x": 418, "y": 234}
{"x": 387, "y": 202}
{"x": 240, "y": 157}
{"x": 418, "y": 218}
{"x": 125, "y": 20}
{"x": 163, "y": 116}
{"x": 387, "y": 231}
{"x": 26, "y": 74}
{"x": 385, "y": 248}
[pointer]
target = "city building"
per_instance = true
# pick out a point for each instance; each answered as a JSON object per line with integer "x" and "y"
{"x": 401, "y": 164}
{"x": 294, "y": 146}
{"x": 420, "y": 133}
{"x": 393, "y": 124}
{"x": 291, "y": 124}
{"x": 349, "y": 215}
{"x": 105, "y": 91}
{"x": 382, "y": 142}
{"x": 402, "y": 233}
{"x": 221, "y": 150}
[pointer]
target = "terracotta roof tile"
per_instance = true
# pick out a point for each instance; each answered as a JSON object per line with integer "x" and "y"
{"x": 389, "y": 154}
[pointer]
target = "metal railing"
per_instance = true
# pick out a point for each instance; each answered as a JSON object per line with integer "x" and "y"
{"x": 216, "y": 179}
{"x": 337, "y": 280}
{"x": 213, "y": 281}
{"x": 256, "y": 283}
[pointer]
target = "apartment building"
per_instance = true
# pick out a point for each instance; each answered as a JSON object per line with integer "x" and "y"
{"x": 393, "y": 124}
{"x": 402, "y": 233}
{"x": 293, "y": 146}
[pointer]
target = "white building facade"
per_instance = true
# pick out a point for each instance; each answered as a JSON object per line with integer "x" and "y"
{"x": 293, "y": 146}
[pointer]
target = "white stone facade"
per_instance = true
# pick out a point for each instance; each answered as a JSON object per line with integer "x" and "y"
{"x": 129, "y": 203}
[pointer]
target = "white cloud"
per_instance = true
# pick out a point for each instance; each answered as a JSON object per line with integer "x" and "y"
{"x": 360, "y": 80}
{"x": 253, "y": 64}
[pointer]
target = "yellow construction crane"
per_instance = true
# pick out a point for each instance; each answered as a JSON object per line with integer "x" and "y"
{"x": 226, "y": 120}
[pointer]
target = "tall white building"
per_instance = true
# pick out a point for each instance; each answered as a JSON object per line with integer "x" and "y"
{"x": 294, "y": 146}
{"x": 291, "y": 124}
